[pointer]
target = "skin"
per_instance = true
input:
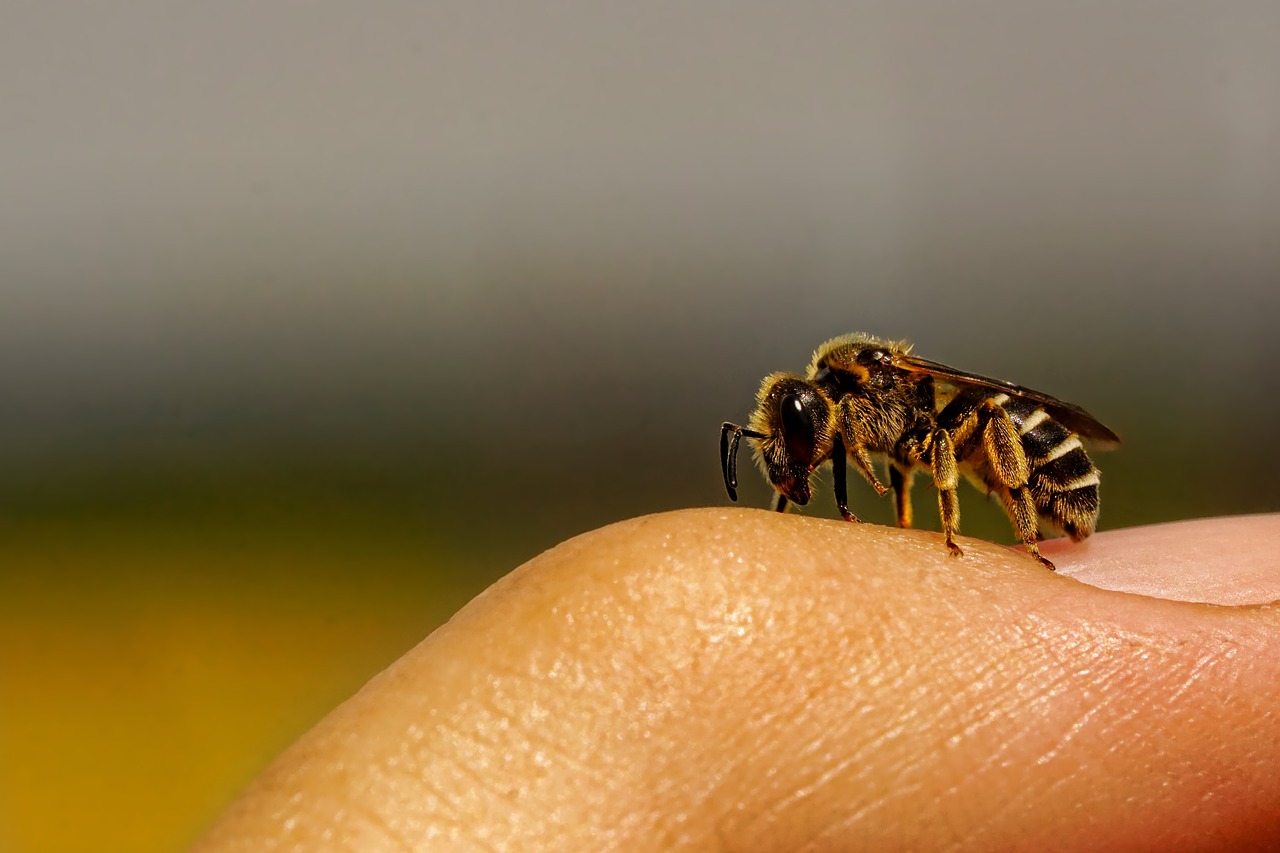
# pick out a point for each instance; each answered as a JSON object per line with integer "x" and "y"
{"x": 745, "y": 680}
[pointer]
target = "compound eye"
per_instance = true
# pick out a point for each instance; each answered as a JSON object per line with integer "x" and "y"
{"x": 797, "y": 428}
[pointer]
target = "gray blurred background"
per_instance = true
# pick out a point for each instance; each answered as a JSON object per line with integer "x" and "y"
{"x": 318, "y": 317}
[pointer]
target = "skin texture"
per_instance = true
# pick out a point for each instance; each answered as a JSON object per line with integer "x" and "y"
{"x": 745, "y": 680}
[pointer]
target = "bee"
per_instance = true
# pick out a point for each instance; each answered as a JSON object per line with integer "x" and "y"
{"x": 863, "y": 398}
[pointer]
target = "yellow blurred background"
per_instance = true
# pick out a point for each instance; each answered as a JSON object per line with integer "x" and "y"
{"x": 316, "y": 318}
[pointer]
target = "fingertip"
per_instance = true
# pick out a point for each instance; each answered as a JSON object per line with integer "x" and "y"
{"x": 1229, "y": 561}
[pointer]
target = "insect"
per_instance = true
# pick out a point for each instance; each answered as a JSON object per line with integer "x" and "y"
{"x": 863, "y": 397}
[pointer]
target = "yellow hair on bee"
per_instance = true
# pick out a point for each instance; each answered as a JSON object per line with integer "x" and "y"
{"x": 856, "y": 341}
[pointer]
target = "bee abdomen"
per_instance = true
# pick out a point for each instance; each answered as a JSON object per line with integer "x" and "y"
{"x": 1064, "y": 480}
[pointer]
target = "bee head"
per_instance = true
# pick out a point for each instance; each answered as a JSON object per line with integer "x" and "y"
{"x": 795, "y": 420}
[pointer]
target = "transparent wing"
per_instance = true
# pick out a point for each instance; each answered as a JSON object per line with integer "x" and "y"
{"x": 1069, "y": 415}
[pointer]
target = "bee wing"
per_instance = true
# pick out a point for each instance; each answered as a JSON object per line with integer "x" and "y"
{"x": 1069, "y": 415}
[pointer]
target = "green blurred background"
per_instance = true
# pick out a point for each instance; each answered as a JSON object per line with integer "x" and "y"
{"x": 318, "y": 317}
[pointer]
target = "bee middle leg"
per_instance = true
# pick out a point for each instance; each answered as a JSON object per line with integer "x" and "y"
{"x": 946, "y": 476}
{"x": 900, "y": 482}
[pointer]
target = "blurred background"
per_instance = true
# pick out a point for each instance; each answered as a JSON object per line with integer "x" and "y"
{"x": 316, "y": 318}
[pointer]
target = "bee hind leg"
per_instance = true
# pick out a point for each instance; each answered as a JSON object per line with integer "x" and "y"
{"x": 1003, "y": 447}
{"x": 1022, "y": 510}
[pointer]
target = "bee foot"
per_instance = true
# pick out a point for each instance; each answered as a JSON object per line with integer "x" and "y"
{"x": 954, "y": 549}
{"x": 1044, "y": 561}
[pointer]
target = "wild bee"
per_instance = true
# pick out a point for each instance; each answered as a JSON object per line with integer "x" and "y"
{"x": 863, "y": 397}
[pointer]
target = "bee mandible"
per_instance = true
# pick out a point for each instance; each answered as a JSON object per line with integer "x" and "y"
{"x": 864, "y": 398}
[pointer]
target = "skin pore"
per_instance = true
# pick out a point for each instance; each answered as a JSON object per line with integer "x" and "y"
{"x": 739, "y": 679}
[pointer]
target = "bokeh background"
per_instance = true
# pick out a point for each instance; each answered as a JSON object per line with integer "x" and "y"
{"x": 318, "y": 317}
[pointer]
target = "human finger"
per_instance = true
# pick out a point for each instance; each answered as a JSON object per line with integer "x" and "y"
{"x": 752, "y": 680}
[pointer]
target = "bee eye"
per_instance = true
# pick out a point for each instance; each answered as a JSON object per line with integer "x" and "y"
{"x": 797, "y": 428}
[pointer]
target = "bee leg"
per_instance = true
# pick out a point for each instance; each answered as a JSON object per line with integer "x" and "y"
{"x": 779, "y": 502}
{"x": 1022, "y": 509}
{"x": 838, "y": 478}
{"x": 946, "y": 476}
{"x": 1003, "y": 447}
{"x": 861, "y": 458}
{"x": 900, "y": 482}
{"x": 847, "y": 437}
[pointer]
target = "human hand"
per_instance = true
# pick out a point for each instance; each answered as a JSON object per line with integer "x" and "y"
{"x": 749, "y": 680}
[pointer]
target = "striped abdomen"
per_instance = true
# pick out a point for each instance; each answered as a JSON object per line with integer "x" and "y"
{"x": 1064, "y": 480}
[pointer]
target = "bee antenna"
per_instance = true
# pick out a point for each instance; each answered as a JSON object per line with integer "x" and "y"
{"x": 729, "y": 454}
{"x": 729, "y": 458}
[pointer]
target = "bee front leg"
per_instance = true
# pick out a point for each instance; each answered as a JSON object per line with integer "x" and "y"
{"x": 861, "y": 459}
{"x": 852, "y": 425}
{"x": 946, "y": 476}
{"x": 838, "y": 479}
